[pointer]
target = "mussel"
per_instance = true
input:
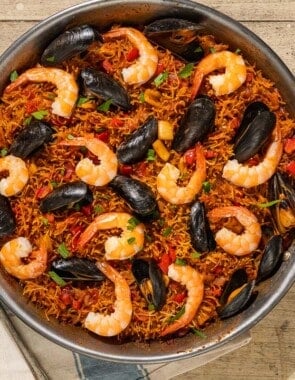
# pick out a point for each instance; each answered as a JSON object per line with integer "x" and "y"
{"x": 195, "y": 125}
{"x": 137, "y": 195}
{"x": 202, "y": 238}
{"x": 283, "y": 212}
{"x": 7, "y": 220}
{"x": 77, "y": 269}
{"x": 178, "y": 35}
{"x": 136, "y": 146}
{"x": 32, "y": 137}
{"x": 69, "y": 44}
{"x": 237, "y": 294}
{"x": 271, "y": 258}
{"x": 255, "y": 129}
{"x": 66, "y": 195}
{"x": 105, "y": 87}
{"x": 151, "y": 281}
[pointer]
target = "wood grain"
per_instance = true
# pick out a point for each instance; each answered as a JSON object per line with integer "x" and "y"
{"x": 271, "y": 353}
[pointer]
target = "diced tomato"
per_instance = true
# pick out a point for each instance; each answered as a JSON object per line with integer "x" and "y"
{"x": 210, "y": 154}
{"x": 76, "y": 230}
{"x": 132, "y": 54}
{"x": 69, "y": 170}
{"x": 126, "y": 169}
{"x": 290, "y": 168}
{"x": 190, "y": 157}
{"x": 289, "y": 146}
{"x": 76, "y": 304}
{"x": 32, "y": 106}
{"x": 165, "y": 262}
{"x": 253, "y": 161}
{"x": 42, "y": 192}
{"x": 160, "y": 69}
{"x": 49, "y": 217}
{"x": 106, "y": 64}
{"x": 103, "y": 136}
{"x": 141, "y": 169}
{"x": 66, "y": 297}
{"x": 172, "y": 254}
{"x": 179, "y": 297}
{"x": 87, "y": 209}
{"x": 115, "y": 122}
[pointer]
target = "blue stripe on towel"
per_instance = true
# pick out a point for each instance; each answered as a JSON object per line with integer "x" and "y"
{"x": 93, "y": 369}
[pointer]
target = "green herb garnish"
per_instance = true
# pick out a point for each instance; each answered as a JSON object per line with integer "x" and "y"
{"x": 269, "y": 204}
{"x": 167, "y": 231}
{"x": 141, "y": 97}
{"x": 177, "y": 315}
{"x": 206, "y": 186}
{"x": 13, "y": 76}
{"x": 70, "y": 137}
{"x": 63, "y": 250}
{"x": 186, "y": 71}
{"x": 131, "y": 240}
{"x": 198, "y": 49}
{"x": 50, "y": 59}
{"x": 3, "y": 152}
{"x": 104, "y": 107}
{"x": 151, "y": 307}
{"x": 98, "y": 209}
{"x": 39, "y": 115}
{"x": 238, "y": 51}
{"x": 27, "y": 120}
{"x": 212, "y": 50}
{"x": 151, "y": 155}
{"x": 132, "y": 223}
{"x": 180, "y": 262}
{"x": 161, "y": 78}
{"x": 45, "y": 221}
{"x": 54, "y": 184}
{"x": 196, "y": 255}
{"x": 82, "y": 100}
{"x": 199, "y": 333}
{"x": 56, "y": 278}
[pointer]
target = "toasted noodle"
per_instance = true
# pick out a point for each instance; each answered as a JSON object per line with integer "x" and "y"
{"x": 55, "y": 164}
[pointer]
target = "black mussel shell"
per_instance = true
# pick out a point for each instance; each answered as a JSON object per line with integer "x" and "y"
{"x": 69, "y": 44}
{"x": 195, "y": 125}
{"x": 151, "y": 281}
{"x": 105, "y": 87}
{"x": 77, "y": 269}
{"x": 7, "y": 219}
{"x": 177, "y": 35}
{"x": 254, "y": 136}
{"x": 236, "y": 295}
{"x": 135, "y": 148}
{"x": 251, "y": 111}
{"x": 31, "y": 138}
{"x": 202, "y": 238}
{"x": 65, "y": 195}
{"x": 271, "y": 258}
{"x": 281, "y": 188}
{"x": 137, "y": 195}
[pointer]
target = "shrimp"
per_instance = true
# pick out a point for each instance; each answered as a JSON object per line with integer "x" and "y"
{"x": 13, "y": 251}
{"x": 233, "y": 77}
{"x": 169, "y": 174}
{"x": 237, "y": 244}
{"x": 86, "y": 170}
{"x": 67, "y": 88}
{"x": 250, "y": 176}
{"x": 116, "y": 248}
{"x": 193, "y": 281}
{"x": 112, "y": 324}
{"x": 17, "y": 178}
{"x": 145, "y": 66}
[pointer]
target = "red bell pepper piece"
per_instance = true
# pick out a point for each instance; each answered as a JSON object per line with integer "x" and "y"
{"x": 165, "y": 262}
{"x": 132, "y": 54}
{"x": 126, "y": 169}
{"x": 103, "y": 136}
{"x": 290, "y": 168}
{"x": 190, "y": 157}
{"x": 289, "y": 146}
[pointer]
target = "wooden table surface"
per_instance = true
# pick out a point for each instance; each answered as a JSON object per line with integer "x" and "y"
{"x": 271, "y": 353}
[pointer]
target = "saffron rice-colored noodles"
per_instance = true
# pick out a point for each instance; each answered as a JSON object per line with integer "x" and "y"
{"x": 54, "y": 165}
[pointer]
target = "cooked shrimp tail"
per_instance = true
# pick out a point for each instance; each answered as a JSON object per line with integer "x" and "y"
{"x": 17, "y": 178}
{"x": 13, "y": 251}
{"x": 116, "y": 248}
{"x": 193, "y": 281}
{"x": 114, "y": 323}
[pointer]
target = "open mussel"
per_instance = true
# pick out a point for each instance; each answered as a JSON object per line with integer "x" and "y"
{"x": 135, "y": 148}
{"x": 151, "y": 281}
{"x": 271, "y": 258}
{"x": 69, "y": 44}
{"x": 32, "y": 137}
{"x": 77, "y": 269}
{"x": 105, "y": 87}
{"x": 137, "y": 195}
{"x": 177, "y": 35}
{"x": 282, "y": 192}
{"x": 236, "y": 295}
{"x": 66, "y": 195}
{"x": 202, "y": 238}
{"x": 255, "y": 130}
{"x": 7, "y": 220}
{"x": 195, "y": 125}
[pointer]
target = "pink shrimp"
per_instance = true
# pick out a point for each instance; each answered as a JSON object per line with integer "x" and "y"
{"x": 67, "y": 88}
{"x": 193, "y": 281}
{"x": 231, "y": 80}
{"x": 114, "y": 323}
{"x": 237, "y": 244}
{"x": 17, "y": 178}
{"x": 145, "y": 66}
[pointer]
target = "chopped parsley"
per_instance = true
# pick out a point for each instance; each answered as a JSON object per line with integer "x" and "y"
{"x": 27, "y": 120}
{"x": 3, "y": 152}
{"x": 206, "y": 186}
{"x": 161, "y": 78}
{"x": 269, "y": 204}
{"x": 50, "y": 59}
{"x": 131, "y": 240}
{"x": 82, "y": 100}
{"x": 196, "y": 255}
{"x": 174, "y": 318}
{"x": 104, "y": 107}
{"x": 212, "y": 50}
{"x": 151, "y": 155}
{"x": 39, "y": 115}
{"x": 63, "y": 251}
{"x": 199, "y": 333}
{"x": 186, "y": 71}
{"x": 132, "y": 223}
{"x": 13, "y": 76}
{"x": 98, "y": 209}
{"x": 56, "y": 278}
{"x": 167, "y": 231}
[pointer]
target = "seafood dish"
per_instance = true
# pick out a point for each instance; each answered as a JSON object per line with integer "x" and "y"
{"x": 147, "y": 180}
